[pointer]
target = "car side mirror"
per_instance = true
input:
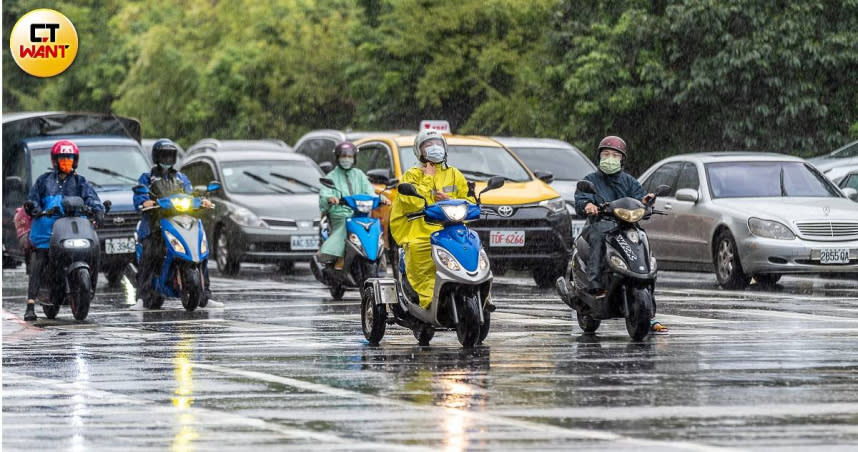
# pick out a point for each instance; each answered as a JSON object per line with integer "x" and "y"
{"x": 379, "y": 176}
{"x": 585, "y": 186}
{"x": 13, "y": 184}
{"x": 687, "y": 194}
{"x": 326, "y": 167}
{"x": 107, "y": 205}
{"x": 140, "y": 190}
{"x": 327, "y": 182}
{"x": 544, "y": 176}
{"x": 662, "y": 190}
{"x": 213, "y": 186}
{"x": 851, "y": 193}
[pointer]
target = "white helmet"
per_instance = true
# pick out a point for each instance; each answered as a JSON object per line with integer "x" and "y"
{"x": 424, "y": 136}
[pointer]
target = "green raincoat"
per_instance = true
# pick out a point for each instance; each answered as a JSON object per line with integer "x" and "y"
{"x": 348, "y": 182}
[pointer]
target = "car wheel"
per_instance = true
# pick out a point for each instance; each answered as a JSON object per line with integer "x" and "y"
{"x": 767, "y": 280}
{"x": 226, "y": 264}
{"x": 728, "y": 269}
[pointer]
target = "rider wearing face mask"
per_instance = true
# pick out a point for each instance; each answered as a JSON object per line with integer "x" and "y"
{"x": 435, "y": 181}
{"x": 348, "y": 181}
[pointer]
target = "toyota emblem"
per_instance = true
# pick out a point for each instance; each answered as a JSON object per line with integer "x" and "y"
{"x": 118, "y": 221}
{"x": 505, "y": 211}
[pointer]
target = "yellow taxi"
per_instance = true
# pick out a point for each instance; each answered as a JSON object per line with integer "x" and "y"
{"x": 530, "y": 228}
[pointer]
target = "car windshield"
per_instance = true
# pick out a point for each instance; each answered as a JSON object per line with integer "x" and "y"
{"x": 476, "y": 162}
{"x": 101, "y": 165}
{"x": 766, "y": 180}
{"x": 271, "y": 176}
{"x": 565, "y": 164}
{"x": 848, "y": 151}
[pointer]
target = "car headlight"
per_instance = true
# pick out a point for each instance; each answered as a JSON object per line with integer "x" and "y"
{"x": 630, "y": 216}
{"x": 364, "y": 206}
{"x": 182, "y": 204}
{"x": 455, "y": 213}
{"x": 554, "y": 204}
{"x": 175, "y": 243}
{"x": 448, "y": 260}
{"x": 245, "y": 217}
{"x": 484, "y": 260}
{"x": 76, "y": 243}
{"x": 770, "y": 229}
{"x": 355, "y": 240}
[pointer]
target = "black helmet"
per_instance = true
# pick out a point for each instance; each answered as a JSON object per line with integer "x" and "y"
{"x": 164, "y": 151}
{"x": 345, "y": 149}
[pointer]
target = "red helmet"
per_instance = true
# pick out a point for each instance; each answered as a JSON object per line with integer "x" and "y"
{"x": 64, "y": 148}
{"x": 615, "y": 143}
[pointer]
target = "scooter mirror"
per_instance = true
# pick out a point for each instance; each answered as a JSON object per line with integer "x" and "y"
{"x": 392, "y": 183}
{"x": 327, "y": 182}
{"x": 585, "y": 186}
{"x": 661, "y": 190}
{"x": 107, "y": 206}
{"x": 495, "y": 183}
{"x": 213, "y": 186}
{"x": 140, "y": 190}
{"x": 408, "y": 190}
{"x": 326, "y": 167}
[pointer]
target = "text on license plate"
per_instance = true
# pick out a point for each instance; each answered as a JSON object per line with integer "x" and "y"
{"x": 834, "y": 256}
{"x": 119, "y": 246}
{"x": 506, "y": 238}
{"x": 577, "y": 227}
{"x": 305, "y": 242}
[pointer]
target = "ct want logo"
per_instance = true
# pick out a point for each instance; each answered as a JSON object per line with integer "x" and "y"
{"x": 505, "y": 211}
{"x": 44, "y": 43}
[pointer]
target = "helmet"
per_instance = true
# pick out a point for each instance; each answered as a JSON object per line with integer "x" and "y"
{"x": 64, "y": 148}
{"x": 424, "y": 136}
{"x": 612, "y": 142}
{"x": 164, "y": 151}
{"x": 345, "y": 149}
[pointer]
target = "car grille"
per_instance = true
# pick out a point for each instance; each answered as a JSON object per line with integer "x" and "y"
{"x": 828, "y": 229}
{"x": 286, "y": 223}
{"x": 120, "y": 222}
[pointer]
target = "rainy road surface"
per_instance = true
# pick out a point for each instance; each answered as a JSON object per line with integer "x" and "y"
{"x": 283, "y": 367}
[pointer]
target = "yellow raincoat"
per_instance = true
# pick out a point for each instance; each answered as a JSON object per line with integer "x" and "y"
{"x": 413, "y": 236}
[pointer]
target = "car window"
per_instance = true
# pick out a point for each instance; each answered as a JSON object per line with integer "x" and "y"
{"x": 475, "y": 162}
{"x": 200, "y": 173}
{"x": 766, "y": 179}
{"x": 851, "y": 182}
{"x": 257, "y": 177}
{"x": 318, "y": 149}
{"x": 365, "y": 158}
{"x": 101, "y": 165}
{"x": 849, "y": 151}
{"x": 373, "y": 156}
{"x": 688, "y": 177}
{"x": 667, "y": 174}
{"x": 565, "y": 164}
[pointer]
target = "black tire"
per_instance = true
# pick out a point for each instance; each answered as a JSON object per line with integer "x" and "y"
{"x": 484, "y": 328}
{"x": 51, "y": 311}
{"x": 546, "y": 276}
{"x": 639, "y": 313}
{"x": 468, "y": 326}
{"x": 192, "y": 288}
{"x": 373, "y": 317}
{"x": 728, "y": 268}
{"x": 768, "y": 280}
{"x": 424, "y": 334}
{"x": 226, "y": 263}
{"x": 587, "y": 323}
{"x": 81, "y": 293}
{"x": 337, "y": 291}
{"x": 114, "y": 276}
{"x": 286, "y": 267}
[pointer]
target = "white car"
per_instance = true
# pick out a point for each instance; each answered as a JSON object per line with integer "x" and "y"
{"x": 838, "y": 163}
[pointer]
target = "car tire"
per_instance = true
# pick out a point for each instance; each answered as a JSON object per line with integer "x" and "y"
{"x": 226, "y": 264}
{"x": 768, "y": 280}
{"x": 728, "y": 268}
{"x": 286, "y": 267}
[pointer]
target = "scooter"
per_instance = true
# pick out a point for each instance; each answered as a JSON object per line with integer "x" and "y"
{"x": 463, "y": 279}
{"x": 184, "y": 268}
{"x": 72, "y": 269}
{"x": 630, "y": 274}
{"x": 364, "y": 245}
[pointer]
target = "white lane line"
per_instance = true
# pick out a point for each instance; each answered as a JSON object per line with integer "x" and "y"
{"x": 783, "y": 315}
{"x": 74, "y": 389}
{"x": 687, "y": 412}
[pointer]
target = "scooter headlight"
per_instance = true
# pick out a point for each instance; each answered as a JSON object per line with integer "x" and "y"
{"x": 364, "y": 206}
{"x": 355, "y": 240}
{"x": 618, "y": 263}
{"x": 182, "y": 204}
{"x": 484, "y": 260}
{"x": 175, "y": 243}
{"x": 455, "y": 213}
{"x": 448, "y": 260}
{"x": 630, "y": 216}
{"x": 76, "y": 243}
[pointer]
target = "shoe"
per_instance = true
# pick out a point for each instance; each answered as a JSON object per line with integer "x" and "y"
{"x": 30, "y": 313}
{"x": 340, "y": 263}
{"x": 658, "y": 328}
{"x": 214, "y": 304}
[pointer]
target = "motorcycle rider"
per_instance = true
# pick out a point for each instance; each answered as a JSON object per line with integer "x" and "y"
{"x": 47, "y": 193}
{"x": 611, "y": 183}
{"x": 348, "y": 181}
{"x": 436, "y": 181}
{"x": 162, "y": 180}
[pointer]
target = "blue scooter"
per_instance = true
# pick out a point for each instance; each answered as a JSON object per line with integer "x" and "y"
{"x": 184, "y": 268}
{"x": 364, "y": 245}
{"x": 463, "y": 279}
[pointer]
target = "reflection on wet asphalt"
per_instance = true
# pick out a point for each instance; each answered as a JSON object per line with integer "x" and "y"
{"x": 282, "y": 366}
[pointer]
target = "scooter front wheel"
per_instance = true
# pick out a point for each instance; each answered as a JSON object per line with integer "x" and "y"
{"x": 468, "y": 326}
{"x": 81, "y": 293}
{"x": 192, "y": 288}
{"x": 587, "y": 323}
{"x": 639, "y": 313}
{"x": 484, "y": 328}
{"x": 373, "y": 317}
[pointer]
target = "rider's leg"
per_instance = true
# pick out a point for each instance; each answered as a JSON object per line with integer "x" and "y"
{"x": 420, "y": 269}
{"x": 38, "y": 261}
{"x": 335, "y": 246}
{"x": 596, "y": 240}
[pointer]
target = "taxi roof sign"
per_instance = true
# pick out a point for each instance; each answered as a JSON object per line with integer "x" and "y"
{"x": 436, "y": 124}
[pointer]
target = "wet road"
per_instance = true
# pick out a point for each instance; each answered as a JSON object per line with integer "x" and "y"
{"x": 283, "y": 367}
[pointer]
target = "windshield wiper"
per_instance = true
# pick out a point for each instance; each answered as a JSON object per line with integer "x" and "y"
{"x": 110, "y": 172}
{"x": 312, "y": 188}
{"x": 478, "y": 173}
{"x": 783, "y": 187}
{"x": 265, "y": 181}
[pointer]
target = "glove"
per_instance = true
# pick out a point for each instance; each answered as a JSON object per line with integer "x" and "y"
{"x": 99, "y": 219}
{"x": 30, "y": 208}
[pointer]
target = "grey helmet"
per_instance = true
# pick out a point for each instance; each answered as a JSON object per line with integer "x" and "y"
{"x": 424, "y": 136}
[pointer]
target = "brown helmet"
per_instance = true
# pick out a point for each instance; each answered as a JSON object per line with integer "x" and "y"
{"x": 612, "y": 142}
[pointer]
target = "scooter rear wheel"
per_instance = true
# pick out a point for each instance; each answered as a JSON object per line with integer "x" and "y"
{"x": 373, "y": 317}
{"x": 57, "y": 296}
{"x": 468, "y": 326}
{"x": 192, "y": 288}
{"x": 337, "y": 291}
{"x": 81, "y": 293}
{"x": 639, "y": 313}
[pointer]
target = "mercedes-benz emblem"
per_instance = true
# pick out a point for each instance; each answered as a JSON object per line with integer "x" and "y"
{"x": 505, "y": 211}
{"x": 826, "y": 210}
{"x": 118, "y": 220}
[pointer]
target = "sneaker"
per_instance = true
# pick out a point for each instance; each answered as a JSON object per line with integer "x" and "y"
{"x": 214, "y": 304}
{"x": 658, "y": 328}
{"x": 30, "y": 313}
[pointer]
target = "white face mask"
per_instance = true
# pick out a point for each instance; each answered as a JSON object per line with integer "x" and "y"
{"x": 346, "y": 163}
{"x": 435, "y": 153}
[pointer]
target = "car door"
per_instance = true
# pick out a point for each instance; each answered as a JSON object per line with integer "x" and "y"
{"x": 689, "y": 224}
{"x": 659, "y": 227}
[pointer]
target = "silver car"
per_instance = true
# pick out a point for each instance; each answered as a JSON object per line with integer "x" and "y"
{"x": 754, "y": 215}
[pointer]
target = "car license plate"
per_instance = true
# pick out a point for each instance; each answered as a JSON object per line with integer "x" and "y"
{"x": 577, "y": 227}
{"x": 119, "y": 246}
{"x": 305, "y": 242}
{"x": 834, "y": 256}
{"x": 506, "y": 238}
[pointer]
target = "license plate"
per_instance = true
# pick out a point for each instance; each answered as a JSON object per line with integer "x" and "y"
{"x": 506, "y": 238}
{"x": 577, "y": 227}
{"x": 305, "y": 242}
{"x": 834, "y": 256}
{"x": 119, "y": 246}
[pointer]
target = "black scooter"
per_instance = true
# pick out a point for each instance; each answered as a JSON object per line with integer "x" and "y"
{"x": 72, "y": 269}
{"x": 630, "y": 272}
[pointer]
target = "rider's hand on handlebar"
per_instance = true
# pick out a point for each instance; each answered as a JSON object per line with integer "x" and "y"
{"x": 649, "y": 197}
{"x": 148, "y": 203}
{"x": 384, "y": 201}
{"x": 333, "y": 200}
{"x": 591, "y": 209}
{"x": 205, "y": 203}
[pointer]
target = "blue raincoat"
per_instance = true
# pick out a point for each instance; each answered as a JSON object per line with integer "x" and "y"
{"x": 48, "y": 192}
{"x": 146, "y": 179}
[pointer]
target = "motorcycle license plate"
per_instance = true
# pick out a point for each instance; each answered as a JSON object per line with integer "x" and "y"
{"x": 506, "y": 238}
{"x": 834, "y": 256}
{"x": 305, "y": 242}
{"x": 119, "y": 246}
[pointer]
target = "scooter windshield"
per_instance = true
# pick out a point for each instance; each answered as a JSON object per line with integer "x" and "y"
{"x": 453, "y": 211}
{"x": 362, "y": 203}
